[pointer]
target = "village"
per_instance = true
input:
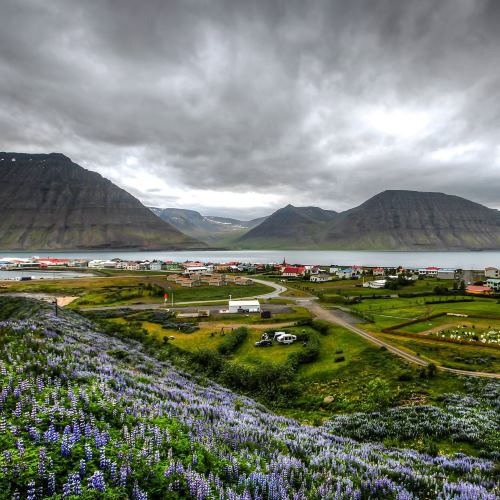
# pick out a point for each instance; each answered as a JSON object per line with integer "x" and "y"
{"x": 195, "y": 273}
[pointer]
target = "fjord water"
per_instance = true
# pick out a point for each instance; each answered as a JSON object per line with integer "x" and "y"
{"x": 462, "y": 260}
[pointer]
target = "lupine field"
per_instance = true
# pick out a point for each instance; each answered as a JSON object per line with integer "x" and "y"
{"x": 78, "y": 418}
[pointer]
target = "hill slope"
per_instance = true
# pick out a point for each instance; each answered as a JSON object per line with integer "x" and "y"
{"x": 48, "y": 202}
{"x": 211, "y": 229}
{"x": 297, "y": 226}
{"x": 94, "y": 415}
{"x": 391, "y": 220}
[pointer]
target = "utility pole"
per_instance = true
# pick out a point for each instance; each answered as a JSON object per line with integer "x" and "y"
{"x": 56, "y": 309}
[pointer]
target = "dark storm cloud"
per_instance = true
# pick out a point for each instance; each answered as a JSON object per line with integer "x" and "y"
{"x": 240, "y": 107}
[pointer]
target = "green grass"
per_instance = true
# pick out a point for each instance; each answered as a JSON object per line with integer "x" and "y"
{"x": 248, "y": 354}
{"x": 124, "y": 290}
{"x": 347, "y": 384}
{"x": 460, "y": 356}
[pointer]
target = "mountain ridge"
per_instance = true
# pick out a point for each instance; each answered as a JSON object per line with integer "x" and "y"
{"x": 48, "y": 202}
{"x": 390, "y": 220}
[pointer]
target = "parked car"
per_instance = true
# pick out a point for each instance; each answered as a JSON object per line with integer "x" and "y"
{"x": 264, "y": 343}
{"x": 287, "y": 338}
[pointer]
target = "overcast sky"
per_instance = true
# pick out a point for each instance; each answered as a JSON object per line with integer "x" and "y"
{"x": 241, "y": 107}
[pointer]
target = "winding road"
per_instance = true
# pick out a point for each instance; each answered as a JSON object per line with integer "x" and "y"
{"x": 329, "y": 315}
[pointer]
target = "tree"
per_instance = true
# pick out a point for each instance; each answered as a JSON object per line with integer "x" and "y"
{"x": 379, "y": 393}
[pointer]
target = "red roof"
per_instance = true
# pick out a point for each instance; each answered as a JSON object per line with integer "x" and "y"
{"x": 293, "y": 270}
{"x": 432, "y": 268}
{"x": 54, "y": 261}
{"x": 478, "y": 289}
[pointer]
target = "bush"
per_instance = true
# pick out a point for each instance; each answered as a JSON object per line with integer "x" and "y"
{"x": 233, "y": 340}
{"x": 321, "y": 326}
{"x": 309, "y": 354}
{"x": 209, "y": 359}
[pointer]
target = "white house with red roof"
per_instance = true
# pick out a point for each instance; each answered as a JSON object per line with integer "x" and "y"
{"x": 293, "y": 271}
{"x": 428, "y": 271}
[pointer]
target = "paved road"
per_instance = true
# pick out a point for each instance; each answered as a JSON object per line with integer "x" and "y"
{"x": 278, "y": 289}
{"x": 320, "y": 312}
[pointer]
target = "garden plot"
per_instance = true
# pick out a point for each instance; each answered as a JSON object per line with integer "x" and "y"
{"x": 469, "y": 332}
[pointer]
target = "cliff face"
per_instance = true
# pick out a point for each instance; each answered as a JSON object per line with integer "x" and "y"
{"x": 48, "y": 202}
{"x": 391, "y": 220}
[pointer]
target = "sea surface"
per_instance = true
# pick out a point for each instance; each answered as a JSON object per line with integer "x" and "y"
{"x": 462, "y": 260}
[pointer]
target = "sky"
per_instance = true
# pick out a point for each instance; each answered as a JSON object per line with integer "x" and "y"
{"x": 239, "y": 107}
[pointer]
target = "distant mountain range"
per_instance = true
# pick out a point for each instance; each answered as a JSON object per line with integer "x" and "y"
{"x": 391, "y": 220}
{"x": 47, "y": 202}
{"x": 211, "y": 229}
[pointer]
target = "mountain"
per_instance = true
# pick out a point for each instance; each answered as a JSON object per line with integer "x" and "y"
{"x": 211, "y": 229}
{"x": 47, "y": 202}
{"x": 391, "y": 220}
{"x": 289, "y": 227}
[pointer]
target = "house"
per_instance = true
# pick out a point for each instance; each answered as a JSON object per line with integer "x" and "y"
{"x": 170, "y": 265}
{"x": 358, "y": 271}
{"x": 311, "y": 269}
{"x": 478, "y": 290}
{"x": 155, "y": 265}
{"x": 447, "y": 274}
{"x": 102, "y": 264}
{"x": 430, "y": 272}
{"x": 492, "y": 272}
{"x": 48, "y": 261}
{"x": 334, "y": 269}
{"x": 190, "y": 283}
{"x": 320, "y": 278}
{"x": 78, "y": 263}
{"x": 244, "y": 305}
{"x": 346, "y": 273}
{"x": 494, "y": 284}
{"x": 216, "y": 281}
{"x": 133, "y": 266}
{"x": 378, "y": 271}
{"x": 242, "y": 281}
{"x": 195, "y": 269}
{"x": 293, "y": 271}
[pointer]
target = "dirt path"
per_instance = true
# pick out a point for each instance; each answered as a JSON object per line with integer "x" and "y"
{"x": 62, "y": 300}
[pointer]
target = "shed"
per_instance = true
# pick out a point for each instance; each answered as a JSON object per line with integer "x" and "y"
{"x": 245, "y": 305}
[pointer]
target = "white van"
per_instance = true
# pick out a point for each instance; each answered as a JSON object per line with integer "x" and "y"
{"x": 278, "y": 334}
{"x": 286, "y": 338}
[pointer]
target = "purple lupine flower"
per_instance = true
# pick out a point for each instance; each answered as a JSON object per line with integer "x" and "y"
{"x": 51, "y": 484}
{"x": 96, "y": 481}
{"x": 31, "y": 491}
{"x": 83, "y": 468}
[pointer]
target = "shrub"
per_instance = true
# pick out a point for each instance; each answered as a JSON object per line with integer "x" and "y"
{"x": 233, "y": 341}
{"x": 321, "y": 326}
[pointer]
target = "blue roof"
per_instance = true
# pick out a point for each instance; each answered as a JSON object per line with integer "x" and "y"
{"x": 348, "y": 270}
